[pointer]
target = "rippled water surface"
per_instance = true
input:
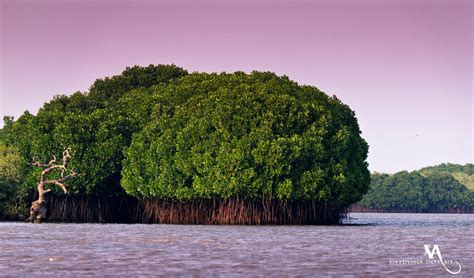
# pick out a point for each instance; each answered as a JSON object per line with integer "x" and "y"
{"x": 367, "y": 246}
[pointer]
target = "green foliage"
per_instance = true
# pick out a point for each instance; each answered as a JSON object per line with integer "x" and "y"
{"x": 12, "y": 193}
{"x": 9, "y": 163}
{"x": 247, "y": 136}
{"x": 413, "y": 191}
{"x": 107, "y": 90}
{"x": 96, "y": 125}
{"x": 462, "y": 173}
{"x": 160, "y": 132}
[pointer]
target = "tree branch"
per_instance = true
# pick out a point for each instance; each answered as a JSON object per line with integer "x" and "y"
{"x": 56, "y": 182}
{"x": 52, "y": 166}
{"x": 36, "y": 163}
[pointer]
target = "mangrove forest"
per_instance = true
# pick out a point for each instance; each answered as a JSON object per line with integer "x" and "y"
{"x": 158, "y": 144}
{"x": 442, "y": 188}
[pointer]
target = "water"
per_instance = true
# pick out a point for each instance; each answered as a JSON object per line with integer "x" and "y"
{"x": 363, "y": 248}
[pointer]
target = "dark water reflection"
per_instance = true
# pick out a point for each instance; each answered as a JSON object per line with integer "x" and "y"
{"x": 364, "y": 249}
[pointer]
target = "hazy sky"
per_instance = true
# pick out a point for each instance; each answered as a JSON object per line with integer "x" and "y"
{"x": 405, "y": 67}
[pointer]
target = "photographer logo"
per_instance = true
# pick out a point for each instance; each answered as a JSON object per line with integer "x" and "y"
{"x": 431, "y": 252}
{"x": 434, "y": 257}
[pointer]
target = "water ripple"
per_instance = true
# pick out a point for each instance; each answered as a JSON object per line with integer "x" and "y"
{"x": 364, "y": 247}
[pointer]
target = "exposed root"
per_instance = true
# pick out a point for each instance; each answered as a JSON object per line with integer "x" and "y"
{"x": 37, "y": 212}
{"x": 214, "y": 211}
{"x": 238, "y": 212}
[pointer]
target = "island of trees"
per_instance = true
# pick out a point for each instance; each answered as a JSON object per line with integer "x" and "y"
{"x": 157, "y": 144}
{"x": 441, "y": 188}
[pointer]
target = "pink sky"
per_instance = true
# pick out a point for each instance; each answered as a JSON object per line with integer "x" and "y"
{"x": 405, "y": 67}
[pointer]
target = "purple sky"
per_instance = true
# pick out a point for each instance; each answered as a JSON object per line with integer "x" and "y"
{"x": 405, "y": 67}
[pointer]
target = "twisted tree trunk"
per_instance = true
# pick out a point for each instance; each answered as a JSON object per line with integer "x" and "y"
{"x": 38, "y": 208}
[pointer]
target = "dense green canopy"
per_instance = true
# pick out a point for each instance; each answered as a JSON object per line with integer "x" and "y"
{"x": 247, "y": 136}
{"x": 462, "y": 173}
{"x": 97, "y": 125}
{"x": 427, "y": 192}
{"x": 10, "y": 191}
{"x": 160, "y": 132}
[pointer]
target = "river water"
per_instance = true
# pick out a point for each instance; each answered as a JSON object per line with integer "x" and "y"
{"x": 370, "y": 245}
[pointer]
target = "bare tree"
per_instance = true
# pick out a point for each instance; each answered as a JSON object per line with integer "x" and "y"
{"x": 38, "y": 208}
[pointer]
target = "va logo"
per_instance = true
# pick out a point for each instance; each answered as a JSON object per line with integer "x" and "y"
{"x": 431, "y": 252}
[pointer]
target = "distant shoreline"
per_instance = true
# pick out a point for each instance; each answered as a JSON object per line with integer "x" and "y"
{"x": 362, "y": 208}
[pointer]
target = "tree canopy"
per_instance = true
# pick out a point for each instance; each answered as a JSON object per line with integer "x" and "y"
{"x": 462, "y": 173}
{"x": 428, "y": 192}
{"x": 11, "y": 193}
{"x": 247, "y": 136}
{"x": 160, "y": 132}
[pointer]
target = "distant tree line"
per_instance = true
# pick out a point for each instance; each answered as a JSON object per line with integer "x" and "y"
{"x": 463, "y": 173}
{"x": 431, "y": 189}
